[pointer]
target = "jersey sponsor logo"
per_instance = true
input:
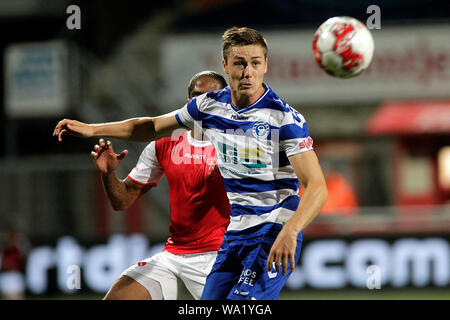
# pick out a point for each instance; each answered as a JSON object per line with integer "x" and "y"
{"x": 242, "y": 293}
{"x": 182, "y": 154}
{"x": 306, "y": 143}
{"x": 248, "y": 157}
{"x": 194, "y": 156}
{"x": 248, "y": 276}
{"x": 260, "y": 130}
{"x": 239, "y": 117}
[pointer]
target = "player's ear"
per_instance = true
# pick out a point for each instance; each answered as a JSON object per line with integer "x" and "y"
{"x": 225, "y": 66}
{"x": 265, "y": 69}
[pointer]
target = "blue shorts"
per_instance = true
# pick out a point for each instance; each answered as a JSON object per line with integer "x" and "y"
{"x": 240, "y": 271}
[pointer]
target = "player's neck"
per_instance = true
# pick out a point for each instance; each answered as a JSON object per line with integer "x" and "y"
{"x": 199, "y": 136}
{"x": 242, "y": 101}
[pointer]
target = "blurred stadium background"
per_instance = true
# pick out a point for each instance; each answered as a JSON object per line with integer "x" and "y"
{"x": 383, "y": 139}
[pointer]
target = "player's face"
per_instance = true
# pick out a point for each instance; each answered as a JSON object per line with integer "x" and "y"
{"x": 203, "y": 85}
{"x": 245, "y": 67}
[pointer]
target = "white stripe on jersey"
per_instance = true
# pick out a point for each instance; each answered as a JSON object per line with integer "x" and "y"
{"x": 264, "y": 175}
{"x": 242, "y": 222}
{"x": 262, "y": 199}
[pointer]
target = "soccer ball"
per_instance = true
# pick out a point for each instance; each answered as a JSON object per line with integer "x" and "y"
{"x": 343, "y": 47}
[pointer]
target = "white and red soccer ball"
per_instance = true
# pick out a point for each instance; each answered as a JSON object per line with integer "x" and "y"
{"x": 343, "y": 47}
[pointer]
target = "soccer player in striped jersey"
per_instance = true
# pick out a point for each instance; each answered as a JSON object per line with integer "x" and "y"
{"x": 263, "y": 148}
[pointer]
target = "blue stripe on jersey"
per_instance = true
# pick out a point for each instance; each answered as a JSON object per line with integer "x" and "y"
{"x": 217, "y": 122}
{"x": 193, "y": 109}
{"x": 256, "y": 185}
{"x": 283, "y": 159}
{"x": 293, "y": 131}
{"x": 220, "y": 95}
{"x": 268, "y": 229}
{"x": 179, "y": 120}
{"x": 290, "y": 203}
{"x": 236, "y": 127}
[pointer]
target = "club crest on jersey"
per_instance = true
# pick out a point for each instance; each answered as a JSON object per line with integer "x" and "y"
{"x": 260, "y": 130}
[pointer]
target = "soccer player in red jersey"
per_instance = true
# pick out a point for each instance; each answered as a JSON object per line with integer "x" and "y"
{"x": 199, "y": 207}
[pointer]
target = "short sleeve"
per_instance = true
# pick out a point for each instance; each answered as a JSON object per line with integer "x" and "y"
{"x": 187, "y": 115}
{"x": 148, "y": 170}
{"x": 294, "y": 134}
{"x": 192, "y": 111}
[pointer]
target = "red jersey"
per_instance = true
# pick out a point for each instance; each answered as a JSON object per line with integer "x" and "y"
{"x": 199, "y": 207}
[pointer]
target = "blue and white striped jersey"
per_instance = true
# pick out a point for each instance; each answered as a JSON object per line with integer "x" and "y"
{"x": 252, "y": 146}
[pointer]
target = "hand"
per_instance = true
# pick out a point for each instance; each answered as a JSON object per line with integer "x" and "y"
{"x": 283, "y": 250}
{"x": 73, "y": 128}
{"x": 104, "y": 157}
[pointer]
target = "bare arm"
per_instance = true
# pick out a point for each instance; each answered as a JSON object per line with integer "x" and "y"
{"x": 307, "y": 169}
{"x": 121, "y": 193}
{"x": 136, "y": 129}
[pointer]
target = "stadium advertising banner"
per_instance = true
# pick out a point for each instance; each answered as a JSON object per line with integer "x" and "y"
{"x": 371, "y": 263}
{"x": 36, "y": 79}
{"x": 409, "y": 62}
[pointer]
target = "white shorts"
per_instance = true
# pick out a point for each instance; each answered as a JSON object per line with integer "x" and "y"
{"x": 166, "y": 268}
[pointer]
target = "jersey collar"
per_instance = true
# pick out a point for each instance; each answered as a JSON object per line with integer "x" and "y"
{"x": 245, "y": 109}
{"x": 197, "y": 143}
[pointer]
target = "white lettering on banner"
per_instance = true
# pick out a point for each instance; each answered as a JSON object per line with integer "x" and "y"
{"x": 429, "y": 259}
{"x": 39, "y": 261}
{"x": 408, "y": 261}
{"x": 101, "y": 264}
{"x": 324, "y": 263}
{"x": 315, "y": 259}
{"x": 366, "y": 252}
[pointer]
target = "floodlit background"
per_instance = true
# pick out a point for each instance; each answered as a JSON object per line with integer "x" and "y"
{"x": 383, "y": 139}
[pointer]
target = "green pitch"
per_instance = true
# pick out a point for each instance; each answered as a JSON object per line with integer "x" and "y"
{"x": 361, "y": 294}
{"x": 308, "y": 294}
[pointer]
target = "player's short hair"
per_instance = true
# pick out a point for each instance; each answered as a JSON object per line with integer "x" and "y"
{"x": 207, "y": 73}
{"x": 242, "y": 37}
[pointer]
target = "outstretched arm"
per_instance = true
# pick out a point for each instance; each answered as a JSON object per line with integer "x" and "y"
{"x": 121, "y": 193}
{"x": 136, "y": 129}
{"x": 307, "y": 168}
